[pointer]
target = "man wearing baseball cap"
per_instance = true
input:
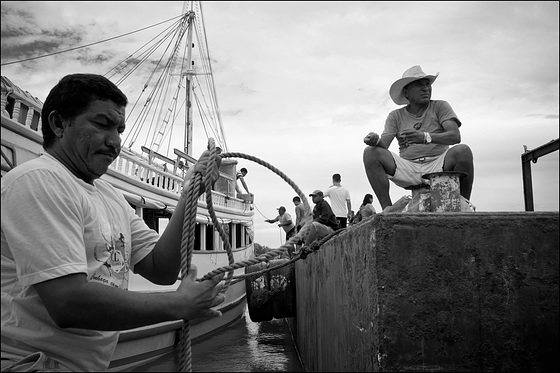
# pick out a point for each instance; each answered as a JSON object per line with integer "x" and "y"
{"x": 285, "y": 221}
{"x": 324, "y": 220}
{"x": 425, "y": 129}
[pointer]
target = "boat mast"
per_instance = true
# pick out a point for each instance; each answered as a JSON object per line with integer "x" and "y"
{"x": 189, "y": 73}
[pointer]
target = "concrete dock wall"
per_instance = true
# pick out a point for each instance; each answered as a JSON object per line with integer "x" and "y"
{"x": 433, "y": 292}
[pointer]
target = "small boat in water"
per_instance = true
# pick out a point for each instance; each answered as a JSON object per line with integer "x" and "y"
{"x": 151, "y": 176}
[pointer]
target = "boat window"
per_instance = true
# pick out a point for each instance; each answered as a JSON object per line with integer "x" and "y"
{"x": 197, "y": 233}
{"x": 10, "y": 106}
{"x": 162, "y": 224}
{"x": 152, "y": 218}
{"x": 35, "y": 121}
{"x": 239, "y": 231}
{"x": 8, "y": 158}
{"x": 231, "y": 235}
{"x": 248, "y": 240}
{"x": 209, "y": 237}
{"x": 23, "y": 110}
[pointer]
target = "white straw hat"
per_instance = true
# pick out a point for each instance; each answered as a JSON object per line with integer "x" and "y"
{"x": 409, "y": 76}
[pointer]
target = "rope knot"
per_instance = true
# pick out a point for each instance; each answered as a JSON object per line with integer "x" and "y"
{"x": 306, "y": 250}
{"x": 315, "y": 245}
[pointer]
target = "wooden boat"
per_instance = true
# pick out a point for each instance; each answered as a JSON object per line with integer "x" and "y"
{"x": 151, "y": 178}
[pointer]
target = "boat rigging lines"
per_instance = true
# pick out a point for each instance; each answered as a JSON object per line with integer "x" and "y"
{"x": 180, "y": 76}
{"x": 172, "y": 82}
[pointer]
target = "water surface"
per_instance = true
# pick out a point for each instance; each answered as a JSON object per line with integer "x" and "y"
{"x": 245, "y": 346}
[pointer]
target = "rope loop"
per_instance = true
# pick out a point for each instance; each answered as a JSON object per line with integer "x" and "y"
{"x": 206, "y": 177}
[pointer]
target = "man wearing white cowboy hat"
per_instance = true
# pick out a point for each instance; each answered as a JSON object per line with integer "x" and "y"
{"x": 424, "y": 129}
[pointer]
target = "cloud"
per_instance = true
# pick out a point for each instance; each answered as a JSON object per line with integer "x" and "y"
{"x": 301, "y": 83}
{"x": 23, "y": 37}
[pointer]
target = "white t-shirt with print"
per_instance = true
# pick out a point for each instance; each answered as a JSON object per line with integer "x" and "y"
{"x": 53, "y": 225}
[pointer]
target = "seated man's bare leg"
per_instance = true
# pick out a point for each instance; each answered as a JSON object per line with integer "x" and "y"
{"x": 311, "y": 235}
{"x": 460, "y": 158}
{"x": 379, "y": 163}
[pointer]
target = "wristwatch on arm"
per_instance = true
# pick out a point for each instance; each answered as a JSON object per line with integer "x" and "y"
{"x": 427, "y": 138}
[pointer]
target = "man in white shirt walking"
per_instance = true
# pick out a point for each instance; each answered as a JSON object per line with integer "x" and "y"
{"x": 340, "y": 201}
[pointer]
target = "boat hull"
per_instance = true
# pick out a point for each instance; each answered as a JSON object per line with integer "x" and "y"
{"x": 138, "y": 347}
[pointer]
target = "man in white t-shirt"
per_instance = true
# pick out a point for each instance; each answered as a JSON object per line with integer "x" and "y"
{"x": 70, "y": 239}
{"x": 340, "y": 201}
{"x": 285, "y": 221}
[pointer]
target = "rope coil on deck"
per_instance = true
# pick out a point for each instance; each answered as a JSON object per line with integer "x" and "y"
{"x": 188, "y": 236}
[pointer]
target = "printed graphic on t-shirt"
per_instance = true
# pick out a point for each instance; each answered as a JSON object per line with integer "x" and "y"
{"x": 115, "y": 266}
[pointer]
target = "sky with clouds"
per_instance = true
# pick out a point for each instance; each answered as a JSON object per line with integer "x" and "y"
{"x": 301, "y": 83}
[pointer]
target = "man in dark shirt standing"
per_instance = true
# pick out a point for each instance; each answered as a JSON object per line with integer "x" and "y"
{"x": 324, "y": 221}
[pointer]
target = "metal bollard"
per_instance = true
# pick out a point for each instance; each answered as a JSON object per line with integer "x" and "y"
{"x": 420, "y": 201}
{"x": 445, "y": 193}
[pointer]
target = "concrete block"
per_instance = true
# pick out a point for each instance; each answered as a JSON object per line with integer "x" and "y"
{"x": 433, "y": 291}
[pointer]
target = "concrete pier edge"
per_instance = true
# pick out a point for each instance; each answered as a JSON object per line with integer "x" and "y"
{"x": 433, "y": 292}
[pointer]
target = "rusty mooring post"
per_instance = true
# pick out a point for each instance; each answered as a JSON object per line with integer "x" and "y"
{"x": 420, "y": 201}
{"x": 445, "y": 193}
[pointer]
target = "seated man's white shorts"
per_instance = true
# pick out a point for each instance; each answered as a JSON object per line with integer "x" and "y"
{"x": 409, "y": 173}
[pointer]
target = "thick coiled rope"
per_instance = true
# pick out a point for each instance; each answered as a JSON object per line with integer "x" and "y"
{"x": 188, "y": 236}
{"x": 188, "y": 240}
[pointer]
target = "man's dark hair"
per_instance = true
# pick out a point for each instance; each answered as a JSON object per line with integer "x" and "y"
{"x": 72, "y": 96}
{"x": 296, "y": 199}
{"x": 336, "y": 177}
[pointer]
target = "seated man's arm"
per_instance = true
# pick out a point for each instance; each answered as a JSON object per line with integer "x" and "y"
{"x": 385, "y": 140}
{"x": 450, "y": 134}
{"x": 382, "y": 141}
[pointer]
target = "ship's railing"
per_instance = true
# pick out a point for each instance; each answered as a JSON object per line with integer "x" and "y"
{"x": 527, "y": 157}
{"x": 132, "y": 166}
{"x": 20, "y": 106}
{"x": 25, "y": 110}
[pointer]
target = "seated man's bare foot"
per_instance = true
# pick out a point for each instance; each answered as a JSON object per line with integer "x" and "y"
{"x": 398, "y": 206}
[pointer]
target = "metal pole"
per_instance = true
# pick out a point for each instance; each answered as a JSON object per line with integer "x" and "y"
{"x": 527, "y": 185}
{"x": 532, "y": 156}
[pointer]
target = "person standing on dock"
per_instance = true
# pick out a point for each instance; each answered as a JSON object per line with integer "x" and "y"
{"x": 300, "y": 213}
{"x": 324, "y": 220}
{"x": 340, "y": 200}
{"x": 70, "y": 240}
{"x": 285, "y": 221}
{"x": 366, "y": 209}
{"x": 424, "y": 129}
